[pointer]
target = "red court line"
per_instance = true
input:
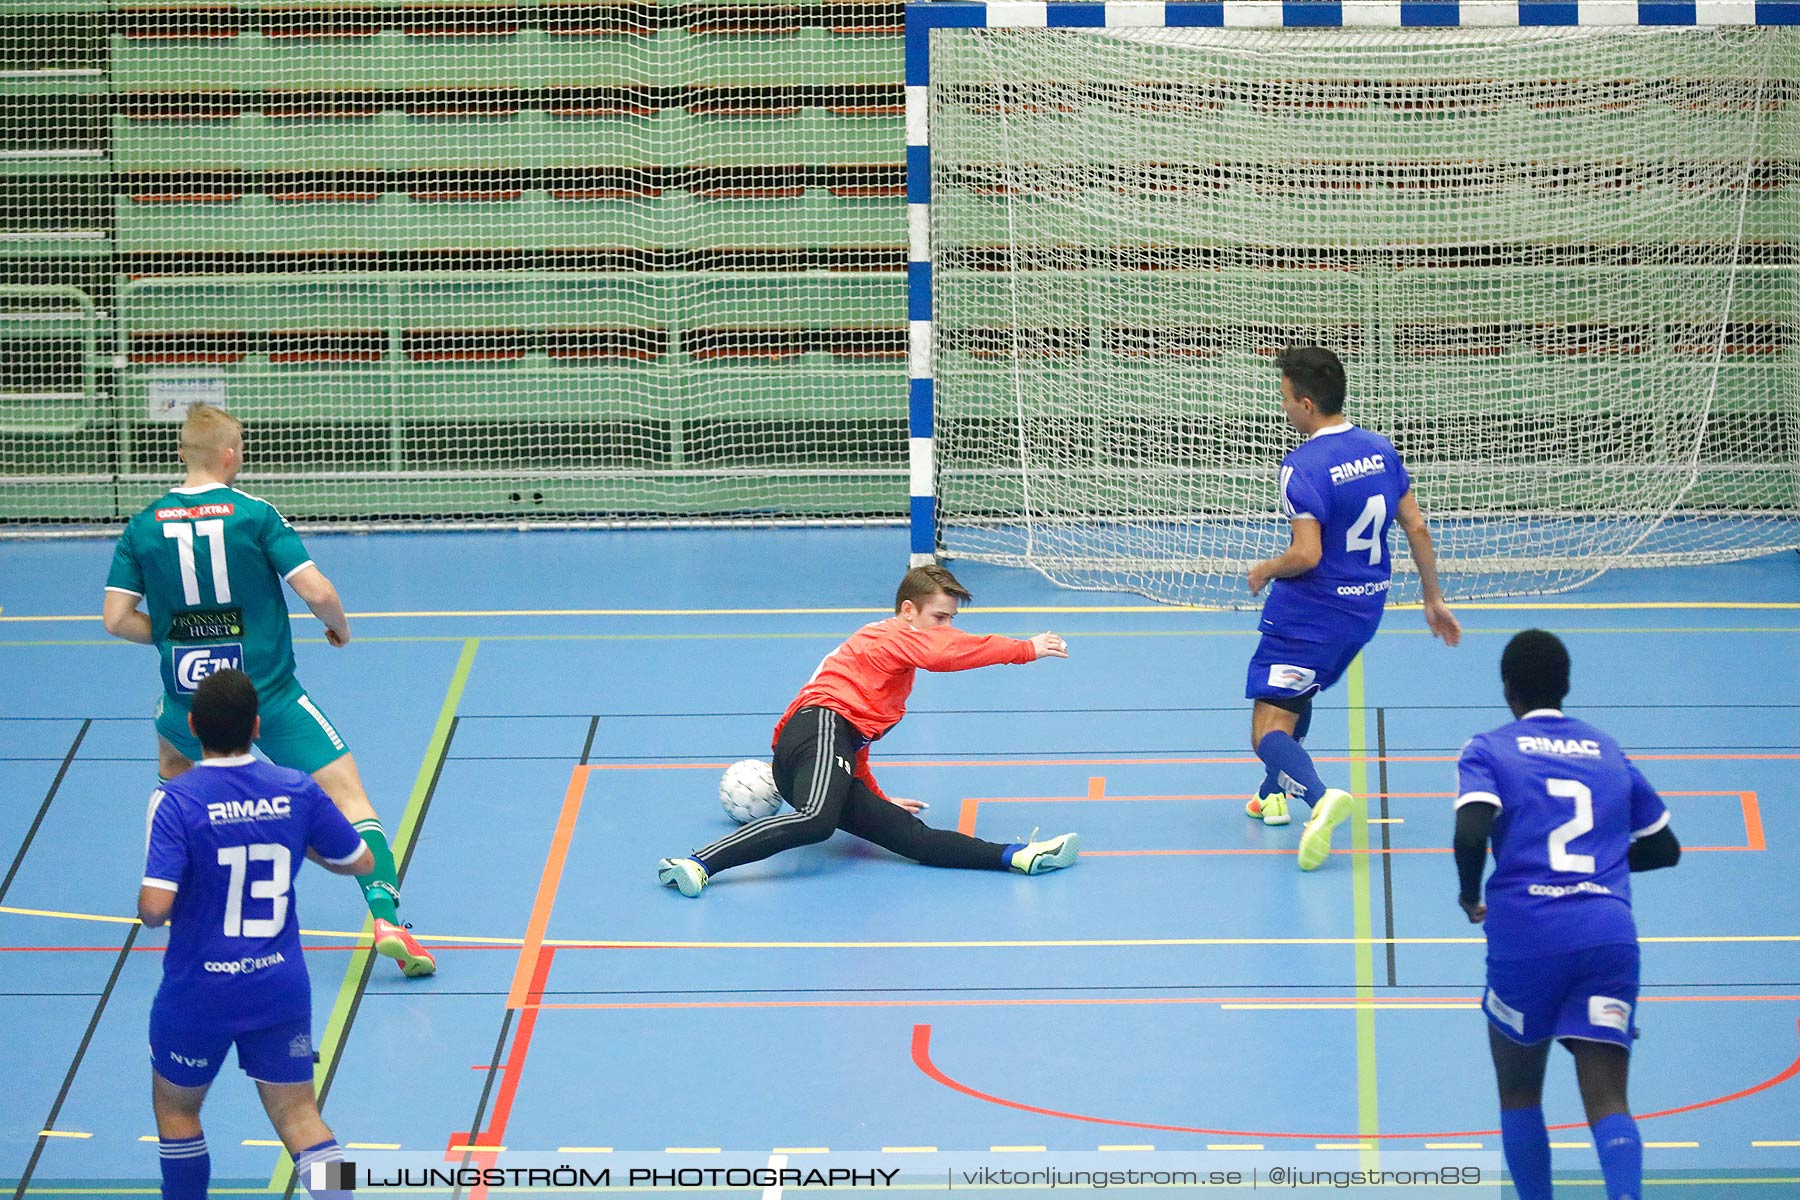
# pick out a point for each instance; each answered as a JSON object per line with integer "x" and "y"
{"x": 921, "y": 1056}
{"x": 889, "y": 764}
{"x": 548, "y": 884}
{"x": 1753, "y": 829}
{"x": 1099, "y": 1001}
{"x": 529, "y": 978}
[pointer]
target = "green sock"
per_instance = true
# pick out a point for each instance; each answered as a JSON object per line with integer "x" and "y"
{"x": 381, "y": 887}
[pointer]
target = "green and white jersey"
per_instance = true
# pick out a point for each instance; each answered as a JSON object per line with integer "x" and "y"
{"x": 209, "y": 562}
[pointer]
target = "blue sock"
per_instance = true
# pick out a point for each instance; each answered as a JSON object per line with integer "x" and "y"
{"x": 1291, "y": 766}
{"x": 1621, "y": 1156}
{"x": 186, "y": 1168}
{"x": 1007, "y": 851}
{"x": 1527, "y": 1145}
{"x": 1269, "y": 783}
{"x": 1303, "y": 724}
{"x": 323, "y": 1155}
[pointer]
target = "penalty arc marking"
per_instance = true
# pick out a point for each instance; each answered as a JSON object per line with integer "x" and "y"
{"x": 921, "y": 1056}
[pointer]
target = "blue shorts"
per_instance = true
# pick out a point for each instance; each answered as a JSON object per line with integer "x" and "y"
{"x": 191, "y": 1058}
{"x": 1285, "y": 668}
{"x": 1587, "y": 994}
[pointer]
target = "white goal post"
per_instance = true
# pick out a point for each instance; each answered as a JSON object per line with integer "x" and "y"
{"x": 1556, "y": 244}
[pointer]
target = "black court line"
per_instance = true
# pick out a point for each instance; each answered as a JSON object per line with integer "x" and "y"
{"x": 437, "y": 773}
{"x": 362, "y": 984}
{"x": 1387, "y": 860}
{"x": 506, "y": 1020}
{"x": 487, "y": 1087}
{"x": 55, "y": 785}
{"x": 75, "y": 1063}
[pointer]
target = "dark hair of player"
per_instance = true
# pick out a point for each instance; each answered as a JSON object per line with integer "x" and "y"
{"x": 922, "y": 583}
{"x": 1316, "y": 374}
{"x": 1534, "y": 669}
{"x": 224, "y": 711}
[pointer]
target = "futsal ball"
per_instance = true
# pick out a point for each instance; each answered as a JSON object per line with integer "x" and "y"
{"x": 747, "y": 791}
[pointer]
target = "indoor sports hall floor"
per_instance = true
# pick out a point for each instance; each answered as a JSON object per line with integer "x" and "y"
{"x": 541, "y": 716}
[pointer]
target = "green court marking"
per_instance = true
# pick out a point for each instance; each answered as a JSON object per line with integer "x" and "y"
{"x": 332, "y": 1042}
{"x": 1075, "y": 636}
{"x": 1368, "y": 1116}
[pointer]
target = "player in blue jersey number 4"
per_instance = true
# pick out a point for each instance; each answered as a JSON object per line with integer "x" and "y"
{"x": 1341, "y": 490}
{"x": 1570, "y": 819}
{"x": 225, "y": 840}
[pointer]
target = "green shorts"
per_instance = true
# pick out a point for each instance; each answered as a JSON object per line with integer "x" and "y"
{"x": 296, "y": 733}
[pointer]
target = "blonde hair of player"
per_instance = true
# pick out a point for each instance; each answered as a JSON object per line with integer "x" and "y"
{"x": 212, "y": 441}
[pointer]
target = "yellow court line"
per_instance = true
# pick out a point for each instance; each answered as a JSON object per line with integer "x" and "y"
{"x": 68, "y": 1133}
{"x": 1671, "y": 1145}
{"x": 1783, "y": 1144}
{"x": 371, "y": 1145}
{"x": 990, "y": 944}
{"x": 1042, "y": 609}
{"x": 1570, "y": 1145}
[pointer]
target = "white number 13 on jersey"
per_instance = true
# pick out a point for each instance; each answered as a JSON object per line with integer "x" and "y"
{"x": 238, "y": 860}
{"x": 1366, "y": 533}
{"x": 214, "y": 533}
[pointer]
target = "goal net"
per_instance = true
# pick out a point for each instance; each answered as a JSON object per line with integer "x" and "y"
{"x": 590, "y": 260}
{"x": 1560, "y": 266}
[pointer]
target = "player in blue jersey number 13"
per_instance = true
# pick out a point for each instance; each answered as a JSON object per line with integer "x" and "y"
{"x": 1570, "y": 819}
{"x": 1341, "y": 490}
{"x": 224, "y": 843}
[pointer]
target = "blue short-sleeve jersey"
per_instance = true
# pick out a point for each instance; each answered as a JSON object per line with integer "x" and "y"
{"x": 1350, "y": 480}
{"x": 227, "y": 838}
{"x": 1570, "y": 805}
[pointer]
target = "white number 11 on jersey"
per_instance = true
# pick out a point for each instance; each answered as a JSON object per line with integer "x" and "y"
{"x": 214, "y": 533}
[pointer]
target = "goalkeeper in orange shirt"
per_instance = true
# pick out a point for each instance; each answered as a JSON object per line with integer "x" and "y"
{"x": 822, "y": 746}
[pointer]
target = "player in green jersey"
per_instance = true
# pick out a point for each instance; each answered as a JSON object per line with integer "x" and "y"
{"x": 208, "y": 562}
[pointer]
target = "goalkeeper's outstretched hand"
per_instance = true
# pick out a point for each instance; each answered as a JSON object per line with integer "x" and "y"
{"x": 1050, "y": 645}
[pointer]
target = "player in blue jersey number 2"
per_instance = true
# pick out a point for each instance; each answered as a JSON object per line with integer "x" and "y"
{"x": 1570, "y": 819}
{"x": 1341, "y": 490}
{"x": 225, "y": 840}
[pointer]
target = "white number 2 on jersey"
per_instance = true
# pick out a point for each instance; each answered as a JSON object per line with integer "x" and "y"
{"x": 1366, "y": 533}
{"x": 214, "y": 533}
{"x": 1582, "y": 822}
{"x": 238, "y": 859}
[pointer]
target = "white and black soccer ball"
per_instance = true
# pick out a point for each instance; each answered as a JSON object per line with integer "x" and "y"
{"x": 747, "y": 791}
